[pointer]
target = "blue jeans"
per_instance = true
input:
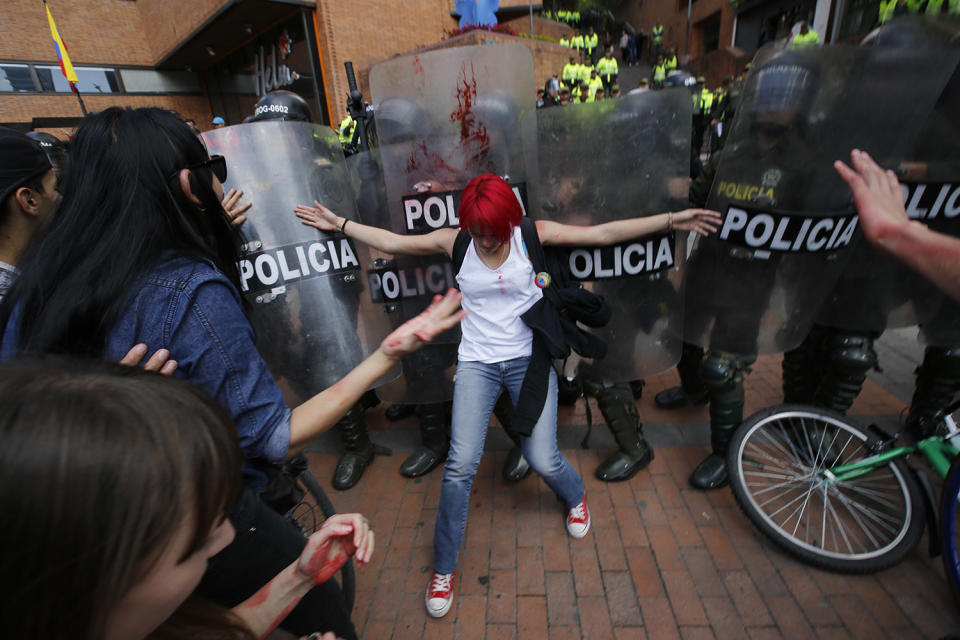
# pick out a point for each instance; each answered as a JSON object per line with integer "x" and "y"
{"x": 475, "y": 393}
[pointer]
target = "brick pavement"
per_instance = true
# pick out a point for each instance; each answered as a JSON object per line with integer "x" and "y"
{"x": 661, "y": 560}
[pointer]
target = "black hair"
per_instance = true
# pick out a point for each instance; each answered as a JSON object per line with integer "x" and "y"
{"x": 100, "y": 467}
{"x": 123, "y": 212}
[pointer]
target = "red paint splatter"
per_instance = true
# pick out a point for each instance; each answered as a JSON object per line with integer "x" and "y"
{"x": 418, "y": 71}
{"x": 260, "y": 596}
{"x": 326, "y": 560}
{"x": 473, "y": 134}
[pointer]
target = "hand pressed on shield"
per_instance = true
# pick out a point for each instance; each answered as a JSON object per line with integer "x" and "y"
{"x": 319, "y": 217}
{"x": 341, "y": 537}
{"x": 234, "y": 209}
{"x": 702, "y": 221}
{"x": 441, "y": 315}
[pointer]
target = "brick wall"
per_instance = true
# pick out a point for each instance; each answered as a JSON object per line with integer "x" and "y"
{"x": 170, "y": 22}
{"x": 95, "y": 31}
{"x": 24, "y": 108}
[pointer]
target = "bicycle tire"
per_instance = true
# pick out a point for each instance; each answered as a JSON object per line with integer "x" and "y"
{"x": 348, "y": 578}
{"x": 950, "y": 528}
{"x": 857, "y": 526}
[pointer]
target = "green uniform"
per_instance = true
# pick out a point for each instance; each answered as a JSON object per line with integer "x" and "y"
{"x": 595, "y": 84}
{"x": 887, "y": 7}
{"x": 607, "y": 67}
{"x": 805, "y": 40}
{"x": 345, "y": 130}
{"x": 564, "y": 41}
{"x": 571, "y": 73}
{"x": 671, "y": 63}
{"x": 659, "y": 74}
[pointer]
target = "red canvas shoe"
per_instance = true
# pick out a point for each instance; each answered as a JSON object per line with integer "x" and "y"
{"x": 439, "y": 594}
{"x": 578, "y": 519}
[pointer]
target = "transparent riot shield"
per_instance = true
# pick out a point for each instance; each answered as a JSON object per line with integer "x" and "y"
{"x": 305, "y": 289}
{"x": 605, "y": 161}
{"x": 756, "y": 286}
{"x": 876, "y": 292}
{"x": 442, "y": 118}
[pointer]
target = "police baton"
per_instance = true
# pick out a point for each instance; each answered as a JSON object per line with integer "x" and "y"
{"x": 358, "y": 110}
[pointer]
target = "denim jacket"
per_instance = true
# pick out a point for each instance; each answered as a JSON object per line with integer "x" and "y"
{"x": 192, "y": 309}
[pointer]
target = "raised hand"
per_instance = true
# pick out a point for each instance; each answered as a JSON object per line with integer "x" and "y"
{"x": 233, "y": 207}
{"x": 319, "y": 217}
{"x": 702, "y": 221}
{"x": 442, "y": 314}
{"x": 877, "y": 195}
{"x": 341, "y": 537}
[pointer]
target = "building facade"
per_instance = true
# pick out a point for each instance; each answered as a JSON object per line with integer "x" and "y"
{"x": 202, "y": 58}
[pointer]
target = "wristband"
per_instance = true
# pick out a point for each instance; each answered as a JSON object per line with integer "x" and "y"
{"x": 669, "y": 222}
{"x": 344, "y": 225}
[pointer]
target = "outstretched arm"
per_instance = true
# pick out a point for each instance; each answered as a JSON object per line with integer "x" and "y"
{"x": 879, "y": 200}
{"x": 702, "y": 221}
{"x": 319, "y": 217}
{"x": 341, "y": 537}
{"x": 322, "y": 411}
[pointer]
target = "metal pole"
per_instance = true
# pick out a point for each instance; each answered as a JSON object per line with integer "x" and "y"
{"x": 686, "y": 47}
{"x": 531, "y": 18}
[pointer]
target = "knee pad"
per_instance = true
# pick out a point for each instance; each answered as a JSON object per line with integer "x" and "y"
{"x": 616, "y": 403}
{"x": 718, "y": 369}
{"x": 851, "y": 353}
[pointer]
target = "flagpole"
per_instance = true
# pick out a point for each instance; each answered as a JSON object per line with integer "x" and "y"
{"x": 83, "y": 108}
{"x": 65, "y": 65}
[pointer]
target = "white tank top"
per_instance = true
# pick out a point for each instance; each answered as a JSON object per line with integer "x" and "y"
{"x": 496, "y": 298}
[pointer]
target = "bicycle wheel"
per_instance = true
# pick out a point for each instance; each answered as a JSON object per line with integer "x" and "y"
{"x": 857, "y": 526}
{"x": 322, "y": 503}
{"x": 950, "y": 527}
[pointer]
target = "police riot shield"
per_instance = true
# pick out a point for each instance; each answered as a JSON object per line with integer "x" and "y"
{"x": 611, "y": 160}
{"x": 756, "y": 285}
{"x": 876, "y": 292}
{"x": 442, "y": 118}
{"x": 305, "y": 289}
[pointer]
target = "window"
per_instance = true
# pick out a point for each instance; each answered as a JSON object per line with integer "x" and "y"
{"x": 90, "y": 80}
{"x": 16, "y": 77}
{"x": 709, "y": 30}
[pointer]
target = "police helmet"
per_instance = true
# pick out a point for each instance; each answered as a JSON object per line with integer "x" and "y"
{"x": 399, "y": 120}
{"x": 912, "y": 32}
{"x": 496, "y": 110}
{"x": 680, "y": 78}
{"x": 282, "y": 105}
{"x": 786, "y": 83}
{"x": 54, "y": 147}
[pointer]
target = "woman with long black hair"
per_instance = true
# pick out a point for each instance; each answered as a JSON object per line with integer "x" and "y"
{"x": 141, "y": 251}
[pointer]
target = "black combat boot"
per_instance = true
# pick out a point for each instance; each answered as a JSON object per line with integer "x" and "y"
{"x": 358, "y": 449}
{"x": 620, "y": 411}
{"x": 691, "y": 389}
{"x": 515, "y": 467}
{"x": 434, "y": 440}
{"x": 938, "y": 381}
{"x": 722, "y": 373}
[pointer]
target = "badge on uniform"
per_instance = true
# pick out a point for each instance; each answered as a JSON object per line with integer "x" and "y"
{"x": 542, "y": 279}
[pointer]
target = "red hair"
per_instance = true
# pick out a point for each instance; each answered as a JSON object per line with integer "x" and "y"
{"x": 489, "y": 202}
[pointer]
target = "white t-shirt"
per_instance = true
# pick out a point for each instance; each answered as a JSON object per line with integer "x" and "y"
{"x": 496, "y": 298}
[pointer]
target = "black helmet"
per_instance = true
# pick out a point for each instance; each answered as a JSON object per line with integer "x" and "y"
{"x": 46, "y": 140}
{"x": 680, "y": 78}
{"x": 785, "y": 83}
{"x": 400, "y": 120}
{"x": 282, "y": 105}
{"x": 912, "y": 32}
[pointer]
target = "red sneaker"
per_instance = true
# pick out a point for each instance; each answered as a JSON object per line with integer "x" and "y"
{"x": 578, "y": 519}
{"x": 439, "y": 594}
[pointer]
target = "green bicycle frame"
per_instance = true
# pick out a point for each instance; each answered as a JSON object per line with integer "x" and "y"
{"x": 938, "y": 452}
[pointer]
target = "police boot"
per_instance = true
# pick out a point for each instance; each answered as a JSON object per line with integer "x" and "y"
{"x": 434, "y": 441}
{"x": 722, "y": 373}
{"x": 802, "y": 368}
{"x": 938, "y": 381}
{"x": 515, "y": 467}
{"x": 358, "y": 449}
{"x": 620, "y": 411}
{"x": 849, "y": 356}
{"x": 691, "y": 389}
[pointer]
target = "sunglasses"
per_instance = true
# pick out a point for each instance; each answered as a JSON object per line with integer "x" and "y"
{"x": 216, "y": 164}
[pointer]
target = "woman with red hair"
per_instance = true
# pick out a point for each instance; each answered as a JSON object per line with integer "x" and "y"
{"x": 498, "y": 284}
